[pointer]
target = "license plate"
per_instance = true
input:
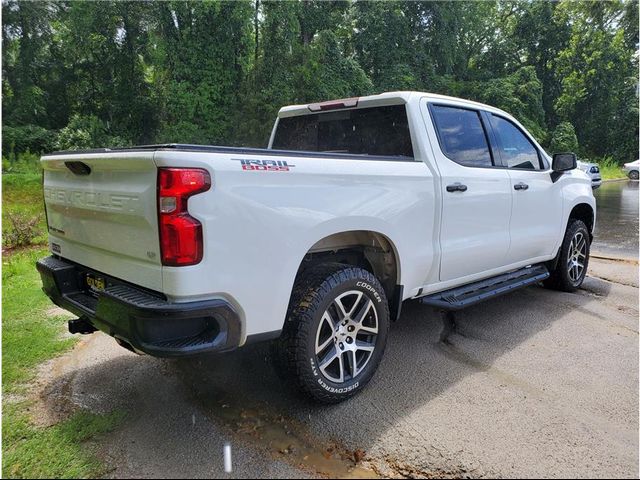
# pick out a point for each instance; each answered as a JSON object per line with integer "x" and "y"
{"x": 96, "y": 283}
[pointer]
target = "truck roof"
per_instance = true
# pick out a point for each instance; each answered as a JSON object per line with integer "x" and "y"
{"x": 379, "y": 100}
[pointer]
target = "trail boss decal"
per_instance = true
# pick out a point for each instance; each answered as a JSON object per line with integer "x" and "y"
{"x": 264, "y": 165}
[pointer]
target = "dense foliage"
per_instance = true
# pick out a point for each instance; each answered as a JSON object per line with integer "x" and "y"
{"x": 79, "y": 74}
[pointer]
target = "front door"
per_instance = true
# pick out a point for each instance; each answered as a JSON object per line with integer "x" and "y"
{"x": 536, "y": 214}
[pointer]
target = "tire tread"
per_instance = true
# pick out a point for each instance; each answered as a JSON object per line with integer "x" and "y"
{"x": 310, "y": 291}
{"x": 558, "y": 280}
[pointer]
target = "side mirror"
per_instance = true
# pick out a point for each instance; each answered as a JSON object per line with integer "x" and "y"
{"x": 564, "y": 161}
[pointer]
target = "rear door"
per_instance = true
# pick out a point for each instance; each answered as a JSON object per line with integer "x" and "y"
{"x": 102, "y": 213}
{"x": 476, "y": 192}
{"x": 536, "y": 214}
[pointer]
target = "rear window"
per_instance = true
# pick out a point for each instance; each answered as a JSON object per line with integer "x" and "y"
{"x": 462, "y": 136}
{"x": 380, "y": 131}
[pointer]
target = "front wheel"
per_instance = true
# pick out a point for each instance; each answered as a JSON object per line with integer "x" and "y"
{"x": 573, "y": 259}
{"x": 633, "y": 175}
{"x": 335, "y": 332}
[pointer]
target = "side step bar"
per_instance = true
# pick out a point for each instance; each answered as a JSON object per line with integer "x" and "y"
{"x": 467, "y": 295}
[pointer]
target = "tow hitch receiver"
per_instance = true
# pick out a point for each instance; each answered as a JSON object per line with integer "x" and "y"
{"x": 81, "y": 325}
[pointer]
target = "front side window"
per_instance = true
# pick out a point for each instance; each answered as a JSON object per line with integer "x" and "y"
{"x": 365, "y": 131}
{"x": 515, "y": 148}
{"x": 462, "y": 136}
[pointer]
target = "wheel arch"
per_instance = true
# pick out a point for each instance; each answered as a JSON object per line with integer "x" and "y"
{"x": 367, "y": 249}
{"x": 582, "y": 210}
{"x": 586, "y": 213}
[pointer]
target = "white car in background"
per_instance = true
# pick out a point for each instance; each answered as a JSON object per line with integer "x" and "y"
{"x": 593, "y": 171}
{"x": 632, "y": 169}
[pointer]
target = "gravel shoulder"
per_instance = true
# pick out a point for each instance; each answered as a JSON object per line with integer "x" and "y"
{"x": 534, "y": 384}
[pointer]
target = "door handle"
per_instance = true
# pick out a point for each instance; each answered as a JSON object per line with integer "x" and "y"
{"x": 456, "y": 187}
{"x": 521, "y": 186}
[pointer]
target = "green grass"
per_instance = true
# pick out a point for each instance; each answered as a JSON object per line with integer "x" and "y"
{"x": 610, "y": 169}
{"x": 22, "y": 198}
{"x": 29, "y": 337}
{"x": 59, "y": 451}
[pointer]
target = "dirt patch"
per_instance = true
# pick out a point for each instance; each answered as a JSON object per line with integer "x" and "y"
{"x": 58, "y": 312}
{"x": 288, "y": 440}
{"x": 391, "y": 468}
{"x": 51, "y": 394}
{"x": 6, "y": 251}
{"x": 13, "y": 398}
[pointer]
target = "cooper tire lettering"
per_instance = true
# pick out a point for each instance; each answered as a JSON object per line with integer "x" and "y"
{"x": 370, "y": 288}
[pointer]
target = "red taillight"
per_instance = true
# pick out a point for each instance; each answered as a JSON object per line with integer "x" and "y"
{"x": 181, "y": 240}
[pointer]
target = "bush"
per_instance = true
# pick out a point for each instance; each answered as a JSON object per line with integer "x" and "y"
{"x": 609, "y": 168}
{"x": 564, "y": 139}
{"x": 86, "y": 132}
{"x": 26, "y": 162}
{"x": 23, "y": 230}
{"x": 26, "y": 138}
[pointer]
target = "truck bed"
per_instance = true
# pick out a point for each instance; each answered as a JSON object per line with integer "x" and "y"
{"x": 186, "y": 147}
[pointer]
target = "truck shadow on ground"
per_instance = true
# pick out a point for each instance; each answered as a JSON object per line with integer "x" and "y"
{"x": 169, "y": 403}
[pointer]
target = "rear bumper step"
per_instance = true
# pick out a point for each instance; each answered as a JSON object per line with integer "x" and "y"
{"x": 143, "y": 320}
{"x": 467, "y": 295}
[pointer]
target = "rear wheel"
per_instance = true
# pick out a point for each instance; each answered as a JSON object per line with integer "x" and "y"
{"x": 335, "y": 333}
{"x": 573, "y": 259}
{"x": 633, "y": 175}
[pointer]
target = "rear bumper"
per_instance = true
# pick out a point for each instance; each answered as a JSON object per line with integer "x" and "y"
{"x": 141, "y": 319}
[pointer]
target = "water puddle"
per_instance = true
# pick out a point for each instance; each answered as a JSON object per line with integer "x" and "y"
{"x": 287, "y": 439}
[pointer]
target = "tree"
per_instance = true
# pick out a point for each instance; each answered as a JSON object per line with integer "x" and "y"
{"x": 327, "y": 74}
{"x": 26, "y": 38}
{"x": 384, "y": 45}
{"x": 598, "y": 75}
{"x": 564, "y": 139}
{"x": 102, "y": 48}
{"x": 218, "y": 71}
{"x": 520, "y": 94}
{"x": 540, "y": 35}
{"x": 202, "y": 58}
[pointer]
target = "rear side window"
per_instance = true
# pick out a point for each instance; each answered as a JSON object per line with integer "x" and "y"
{"x": 515, "y": 148}
{"x": 461, "y": 135}
{"x": 366, "y": 131}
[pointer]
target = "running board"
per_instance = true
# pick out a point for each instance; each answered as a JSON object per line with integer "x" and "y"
{"x": 467, "y": 295}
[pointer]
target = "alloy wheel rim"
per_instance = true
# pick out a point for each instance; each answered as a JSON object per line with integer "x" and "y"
{"x": 577, "y": 257}
{"x": 346, "y": 336}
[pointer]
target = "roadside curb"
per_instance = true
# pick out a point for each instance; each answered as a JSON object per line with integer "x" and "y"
{"x": 622, "y": 179}
{"x": 601, "y": 256}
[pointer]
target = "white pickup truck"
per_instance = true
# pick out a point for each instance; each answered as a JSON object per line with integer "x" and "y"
{"x": 314, "y": 243}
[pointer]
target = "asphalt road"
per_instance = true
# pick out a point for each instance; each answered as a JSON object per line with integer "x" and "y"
{"x": 534, "y": 384}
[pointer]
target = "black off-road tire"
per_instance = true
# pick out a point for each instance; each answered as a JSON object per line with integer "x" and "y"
{"x": 561, "y": 277}
{"x": 633, "y": 175}
{"x": 294, "y": 353}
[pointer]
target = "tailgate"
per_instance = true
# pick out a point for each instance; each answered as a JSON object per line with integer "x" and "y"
{"x": 102, "y": 213}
